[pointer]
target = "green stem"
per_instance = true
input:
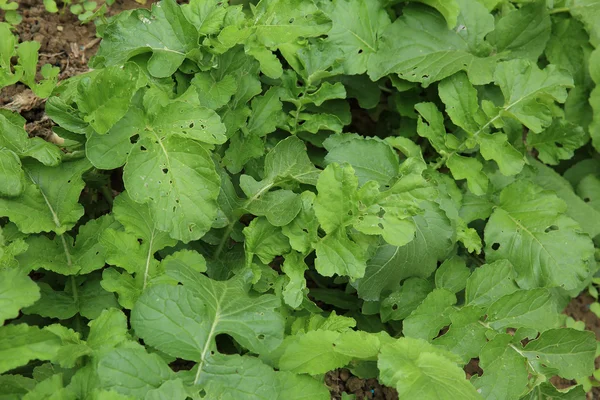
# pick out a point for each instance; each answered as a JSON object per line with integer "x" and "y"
{"x": 298, "y": 109}
{"x": 559, "y": 10}
{"x": 107, "y": 193}
{"x": 224, "y": 240}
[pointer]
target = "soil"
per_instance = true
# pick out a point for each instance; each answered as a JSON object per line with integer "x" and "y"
{"x": 68, "y": 44}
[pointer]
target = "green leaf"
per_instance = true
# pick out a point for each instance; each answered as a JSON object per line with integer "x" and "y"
{"x": 11, "y": 175}
{"x": 49, "y": 201}
{"x": 528, "y": 91}
{"x": 489, "y": 283}
{"x": 356, "y": 28}
{"x": 470, "y": 169}
{"x": 206, "y": 15}
{"x": 214, "y": 94}
{"x": 420, "y": 371}
{"x": 533, "y": 308}
{"x": 452, "y": 275}
{"x": 21, "y": 343}
{"x": 529, "y": 229}
{"x": 98, "y": 98}
{"x": 264, "y": 240}
{"x": 390, "y": 264}
{"x": 522, "y": 32}
{"x": 418, "y": 56}
{"x": 17, "y": 290}
{"x": 570, "y": 351}
{"x": 557, "y": 142}
{"x": 578, "y": 208}
{"x": 144, "y": 371}
{"x": 505, "y": 373}
{"x": 313, "y": 353}
{"x": 164, "y": 31}
{"x": 430, "y": 316}
{"x": 372, "y": 160}
{"x": 295, "y": 290}
{"x": 177, "y": 178}
{"x": 399, "y": 304}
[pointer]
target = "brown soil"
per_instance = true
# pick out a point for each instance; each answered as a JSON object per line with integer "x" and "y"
{"x": 342, "y": 381}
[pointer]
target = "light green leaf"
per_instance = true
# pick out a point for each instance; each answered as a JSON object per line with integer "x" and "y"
{"x": 522, "y": 32}
{"x": 295, "y": 290}
{"x": 421, "y": 371}
{"x": 132, "y": 371}
{"x": 302, "y": 231}
{"x": 578, "y": 208}
{"x": 49, "y": 202}
{"x": 17, "y": 290}
{"x": 338, "y": 254}
{"x": 399, "y": 304}
{"x": 469, "y": 168}
{"x": 356, "y": 28}
{"x": 529, "y": 229}
{"x": 108, "y": 330}
{"x": 164, "y": 31}
{"x": 489, "y": 283}
{"x": 12, "y": 178}
{"x": 105, "y": 97}
{"x": 452, "y": 275}
{"x": 21, "y": 343}
{"x": 177, "y": 178}
{"x": 426, "y": 57}
{"x": 371, "y": 159}
{"x": 312, "y": 353}
{"x": 529, "y": 91}
{"x": 214, "y": 93}
{"x": 466, "y": 335}
{"x": 390, "y": 264}
{"x": 504, "y": 370}
{"x": 206, "y": 15}
{"x": 558, "y": 141}
{"x": 430, "y": 316}
{"x": 524, "y": 309}
{"x": 264, "y": 240}
{"x": 570, "y": 351}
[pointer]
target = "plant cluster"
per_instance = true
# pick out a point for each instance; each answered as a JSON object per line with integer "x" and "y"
{"x": 245, "y": 198}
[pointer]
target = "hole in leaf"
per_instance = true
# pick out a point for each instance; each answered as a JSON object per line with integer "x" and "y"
{"x": 395, "y": 307}
{"x": 495, "y": 246}
{"x": 165, "y": 170}
{"x": 261, "y": 336}
{"x": 134, "y": 138}
{"x": 191, "y": 125}
{"x": 360, "y": 51}
{"x": 380, "y": 225}
{"x": 587, "y": 199}
{"x": 142, "y": 148}
{"x": 559, "y": 145}
{"x": 551, "y": 228}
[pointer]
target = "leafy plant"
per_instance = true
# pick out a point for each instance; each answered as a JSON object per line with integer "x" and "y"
{"x": 248, "y": 198}
{"x": 10, "y": 11}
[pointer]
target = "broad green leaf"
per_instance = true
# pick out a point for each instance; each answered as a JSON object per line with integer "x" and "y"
{"x": 522, "y": 32}
{"x": 338, "y": 254}
{"x": 529, "y": 229}
{"x": 558, "y": 141}
{"x": 214, "y": 94}
{"x": 105, "y": 97}
{"x": 66, "y": 255}
{"x": 524, "y": 308}
{"x": 302, "y": 231}
{"x": 356, "y": 28}
{"x": 108, "y": 330}
{"x": 21, "y": 343}
{"x": 17, "y": 290}
{"x": 295, "y": 289}
{"x": 399, "y": 304}
{"x": 312, "y": 353}
{"x": 578, "y": 208}
{"x": 529, "y": 91}
{"x": 589, "y": 190}
{"x": 466, "y": 335}
{"x": 421, "y": 371}
{"x": 177, "y": 178}
{"x": 569, "y": 351}
{"x": 469, "y": 168}
{"x": 449, "y": 9}
{"x": 390, "y": 264}
{"x": 430, "y": 316}
{"x": 264, "y": 240}
{"x": 587, "y": 11}
{"x": 12, "y": 178}
{"x": 452, "y": 275}
{"x": 49, "y": 201}
{"x": 372, "y": 160}
{"x": 132, "y": 371}
{"x": 206, "y": 15}
{"x": 489, "y": 283}
{"x": 504, "y": 370}
{"x": 164, "y": 32}
{"x": 418, "y": 56}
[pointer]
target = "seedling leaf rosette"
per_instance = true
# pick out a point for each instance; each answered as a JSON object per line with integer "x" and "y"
{"x": 248, "y": 197}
